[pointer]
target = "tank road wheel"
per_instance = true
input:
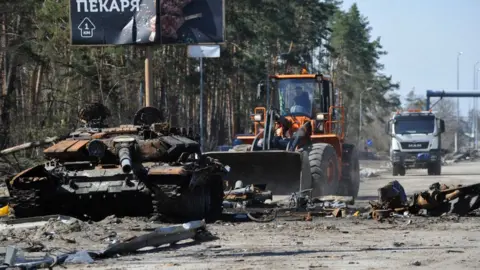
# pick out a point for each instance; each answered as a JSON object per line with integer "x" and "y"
{"x": 201, "y": 202}
{"x": 324, "y": 170}
{"x": 350, "y": 171}
{"x": 204, "y": 202}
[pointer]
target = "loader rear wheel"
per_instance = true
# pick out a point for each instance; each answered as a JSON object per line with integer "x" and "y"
{"x": 324, "y": 169}
{"x": 350, "y": 171}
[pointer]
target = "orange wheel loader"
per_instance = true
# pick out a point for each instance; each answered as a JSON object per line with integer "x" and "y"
{"x": 297, "y": 141}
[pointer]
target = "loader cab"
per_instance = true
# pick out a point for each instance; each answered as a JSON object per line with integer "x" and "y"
{"x": 299, "y": 95}
{"x": 294, "y": 97}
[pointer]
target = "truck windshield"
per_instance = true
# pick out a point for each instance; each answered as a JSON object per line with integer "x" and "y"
{"x": 296, "y": 96}
{"x": 414, "y": 124}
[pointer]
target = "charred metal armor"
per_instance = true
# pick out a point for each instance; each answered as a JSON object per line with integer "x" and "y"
{"x": 130, "y": 170}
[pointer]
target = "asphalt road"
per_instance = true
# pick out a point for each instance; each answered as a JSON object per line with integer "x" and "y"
{"x": 334, "y": 243}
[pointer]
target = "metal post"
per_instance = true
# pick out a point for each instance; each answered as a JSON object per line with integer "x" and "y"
{"x": 475, "y": 103}
{"x": 458, "y": 84}
{"x": 148, "y": 76}
{"x": 458, "y": 100}
{"x": 202, "y": 128}
{"x": 473, "y": 106}
{"x": 472, "y": 109}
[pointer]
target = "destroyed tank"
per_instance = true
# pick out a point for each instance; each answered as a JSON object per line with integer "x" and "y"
{"x": 144, "y": 169}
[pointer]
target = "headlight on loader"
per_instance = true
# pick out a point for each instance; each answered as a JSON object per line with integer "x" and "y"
{"x": 320, "y": 117}
{"x": 257, "y": 117}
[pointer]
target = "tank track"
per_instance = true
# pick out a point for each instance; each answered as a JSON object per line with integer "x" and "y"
{"x": 37, "y": 200}
{"x": 168, "y": 203}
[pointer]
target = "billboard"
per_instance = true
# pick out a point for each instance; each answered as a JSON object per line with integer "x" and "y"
{"x": 129, "y": 22}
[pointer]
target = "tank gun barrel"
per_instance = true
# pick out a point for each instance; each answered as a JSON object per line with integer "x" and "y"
{"x": 30, "y": 145}
{"x": 125, "y": 159}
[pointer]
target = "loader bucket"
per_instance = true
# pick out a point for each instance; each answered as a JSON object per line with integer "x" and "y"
{"x": 279, "y": 170}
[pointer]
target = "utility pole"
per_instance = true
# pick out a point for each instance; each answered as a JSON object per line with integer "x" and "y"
{"x": 202, "y": 125}
{"x": 200, "y": 52}
{"x": 148, "y": 77}
{"x": 458, "y": 100}
{"x": 475, "y": 104}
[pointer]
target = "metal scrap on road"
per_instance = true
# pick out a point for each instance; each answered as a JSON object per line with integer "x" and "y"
{"x": 439, "y": 199}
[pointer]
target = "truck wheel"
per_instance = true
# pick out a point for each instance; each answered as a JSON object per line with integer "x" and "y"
{"x": 324, "y": 170}
{"x": 430, "y": 169}
{"x": 437, "y": 168}
{"x": 395, "y": 171}
{"x": 350, "y": 171}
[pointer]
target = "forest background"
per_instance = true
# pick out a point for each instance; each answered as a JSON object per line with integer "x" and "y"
{"x": 45, "y": 81}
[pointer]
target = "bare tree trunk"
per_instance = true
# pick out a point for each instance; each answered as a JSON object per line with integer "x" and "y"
{"x": 4, "y": 60}
{"x": 36, "y": 93}
{"x": 9, "y": 89}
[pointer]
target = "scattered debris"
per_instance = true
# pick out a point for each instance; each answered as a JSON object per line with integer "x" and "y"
{"x": 254, "y": 202}
{"x": 246, "y": 196}
{"x": 369, "y": 172}
{"x": 79, "y": 257}
{"x": 416, "y": 263}
{"x": 438, "y": 200}
{"x": 15, "y": 257}
{"x": 160, "y": 236}
{"x": 398, "y": 244}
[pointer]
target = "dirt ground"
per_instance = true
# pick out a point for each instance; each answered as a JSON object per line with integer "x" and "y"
{"x": 446, "y": 242}
{"x": 324, "y": 244}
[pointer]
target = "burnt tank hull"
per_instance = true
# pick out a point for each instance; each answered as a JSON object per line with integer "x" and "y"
{"x": 98, "y": 192}
{"x": 133, "y": 170}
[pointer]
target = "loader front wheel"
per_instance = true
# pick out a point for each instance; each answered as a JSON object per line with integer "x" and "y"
{"x": 324, "y": 169}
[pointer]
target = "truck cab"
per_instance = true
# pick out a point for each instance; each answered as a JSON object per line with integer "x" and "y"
{"x": 415, "y": 141}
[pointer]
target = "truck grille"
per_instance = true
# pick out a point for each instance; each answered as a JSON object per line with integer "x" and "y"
{"x": 414, "y": 145}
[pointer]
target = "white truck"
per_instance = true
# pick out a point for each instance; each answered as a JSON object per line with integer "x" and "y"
{"x": 415, "y": 141}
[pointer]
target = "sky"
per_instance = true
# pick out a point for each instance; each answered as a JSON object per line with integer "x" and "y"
{"x": 423, "y": 39}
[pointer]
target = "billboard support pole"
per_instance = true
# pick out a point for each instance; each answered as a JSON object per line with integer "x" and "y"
{"x": 148, "y": 76}
{"x": 202, "y": 128}
{"x": 199, "y": 52}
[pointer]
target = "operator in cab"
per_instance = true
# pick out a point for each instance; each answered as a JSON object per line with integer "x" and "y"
{"x": 301, "y": 101}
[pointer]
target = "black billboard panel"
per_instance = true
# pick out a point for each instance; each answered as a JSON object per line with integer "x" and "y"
{"x": 128, "y": 22}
